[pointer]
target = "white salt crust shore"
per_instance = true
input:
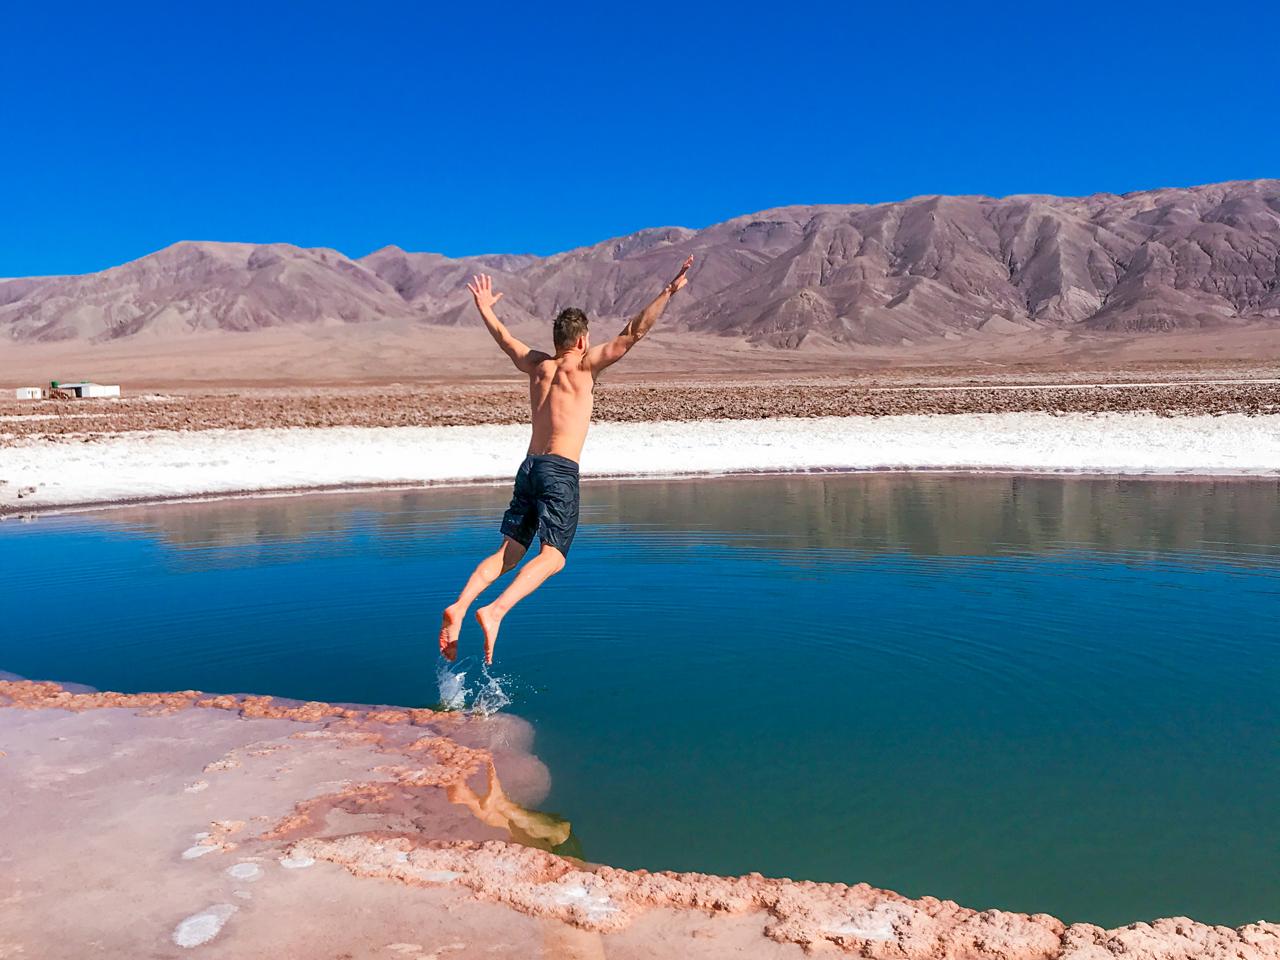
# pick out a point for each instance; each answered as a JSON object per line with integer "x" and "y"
{"x": 39, "y": 473}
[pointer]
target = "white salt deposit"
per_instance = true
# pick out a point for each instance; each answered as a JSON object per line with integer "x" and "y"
{"x": 867, "y": 925}
{"x": 592, "y": 904}
{"x": 292, "y": 862}
{"x": 439, "y": 876}
{"x": 244, "y": 871}
{"x": 139, "y": 466}
{"x": 880, "y": 922}
{"x": 200, "y": 928}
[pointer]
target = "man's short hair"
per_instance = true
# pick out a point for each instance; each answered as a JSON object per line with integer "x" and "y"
{"x": 568, "y": 327}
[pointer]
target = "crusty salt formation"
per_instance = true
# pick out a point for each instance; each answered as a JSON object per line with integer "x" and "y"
{"x": 322, "y": 830}
{"x": 142, "y": 467}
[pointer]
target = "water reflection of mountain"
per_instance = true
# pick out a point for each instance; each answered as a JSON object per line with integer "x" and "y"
{"x": 294, "y": 527}
{"x": 931, "y": 515}
{"x": 971, "y": 515}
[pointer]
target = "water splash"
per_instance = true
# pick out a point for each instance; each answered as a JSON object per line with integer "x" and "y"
{"x": 491, "y": 696}
{"x": 452, "y": 685}
{"x": 487, "y": 696}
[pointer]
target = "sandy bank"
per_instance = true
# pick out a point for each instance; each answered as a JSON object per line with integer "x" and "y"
{"x": 43, "y": 473}
{"x": 248, "y": 827}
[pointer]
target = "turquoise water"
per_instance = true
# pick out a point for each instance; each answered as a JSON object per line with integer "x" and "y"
{"x": 1036, "y": 694}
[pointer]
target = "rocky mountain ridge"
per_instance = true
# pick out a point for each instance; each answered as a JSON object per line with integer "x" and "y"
{"x": 835, "y": 276}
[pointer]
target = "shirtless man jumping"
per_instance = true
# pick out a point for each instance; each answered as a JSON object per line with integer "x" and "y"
{"x": 545, "y": 500}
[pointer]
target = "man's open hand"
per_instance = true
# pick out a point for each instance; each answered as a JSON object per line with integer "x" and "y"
{"x": 681, "y": 279}
{"x": 481, "y": 287}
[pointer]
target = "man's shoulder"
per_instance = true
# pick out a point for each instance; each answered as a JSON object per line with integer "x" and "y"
{"x": 569, "y": 365}
{"x": 536, "y": 361}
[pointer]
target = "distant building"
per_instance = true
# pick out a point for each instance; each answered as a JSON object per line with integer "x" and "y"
{"x": 87, "y": 389}
{"x": 29, "y": 393}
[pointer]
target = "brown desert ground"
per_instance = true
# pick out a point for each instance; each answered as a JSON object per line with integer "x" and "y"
{"x": 469, "y": 404}
{"x": 306, "y": 380}
{"x": 381, "y": 355}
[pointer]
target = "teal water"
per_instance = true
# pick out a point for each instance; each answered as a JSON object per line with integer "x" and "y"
{"x": 1036, "y": 694}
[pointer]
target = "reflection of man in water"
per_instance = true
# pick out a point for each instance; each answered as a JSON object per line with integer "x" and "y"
{"x": 545, "y": 831}
{"x": 545, "y": 500}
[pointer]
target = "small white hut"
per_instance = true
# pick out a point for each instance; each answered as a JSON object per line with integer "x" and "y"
{"x": 28, "y": 393}
{"x": 87, "y": 389}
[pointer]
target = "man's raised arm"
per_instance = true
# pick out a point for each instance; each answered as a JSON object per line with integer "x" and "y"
{"x": 481, "y": 288}
{"x": 607, "y": 353}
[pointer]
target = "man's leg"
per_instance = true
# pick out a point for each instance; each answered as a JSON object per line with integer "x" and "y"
{"x": 488, "y": 570}
{"x": 547, "y": 563}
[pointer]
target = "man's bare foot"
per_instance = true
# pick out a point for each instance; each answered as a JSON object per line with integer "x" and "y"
{"x": 450, "y": 627}
{"x": 489, "y": 620}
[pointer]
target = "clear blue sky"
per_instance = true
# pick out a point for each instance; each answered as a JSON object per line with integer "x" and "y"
{"x": 472, "y": 128}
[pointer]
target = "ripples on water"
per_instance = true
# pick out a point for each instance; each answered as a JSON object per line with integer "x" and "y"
{"x": 1029, "y": 693}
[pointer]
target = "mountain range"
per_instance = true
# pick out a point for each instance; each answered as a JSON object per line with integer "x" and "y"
{"x": 834, "y": 276}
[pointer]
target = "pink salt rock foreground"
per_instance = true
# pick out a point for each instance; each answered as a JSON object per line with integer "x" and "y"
{"x": 160, "y": 824}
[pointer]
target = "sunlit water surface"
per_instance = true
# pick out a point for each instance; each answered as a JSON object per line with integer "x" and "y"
{"x": 1037, "y": 694}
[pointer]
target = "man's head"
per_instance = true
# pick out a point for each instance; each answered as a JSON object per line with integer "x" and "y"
{"x": 568, "y": 328}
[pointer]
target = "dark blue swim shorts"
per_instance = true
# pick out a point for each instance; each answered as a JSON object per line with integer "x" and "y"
{"x": 545, "y": 501}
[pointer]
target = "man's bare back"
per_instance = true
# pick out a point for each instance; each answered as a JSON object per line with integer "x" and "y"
{"x": 560, "y": 401}
{"x": 545, "y": 499}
